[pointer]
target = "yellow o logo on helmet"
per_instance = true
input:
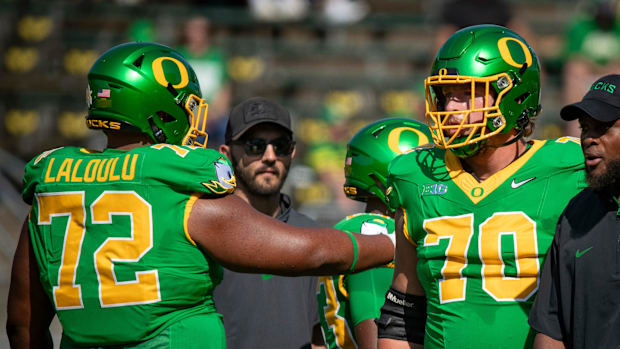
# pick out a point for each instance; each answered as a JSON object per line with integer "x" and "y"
{"x": 394, "y": 138}
{"x": 158, "y": 71}
{"x": 502, "y": 45}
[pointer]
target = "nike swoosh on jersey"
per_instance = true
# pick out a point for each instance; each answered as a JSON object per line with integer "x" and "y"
{"x": 581, "y": 253}
{"x": 515, "y": 185}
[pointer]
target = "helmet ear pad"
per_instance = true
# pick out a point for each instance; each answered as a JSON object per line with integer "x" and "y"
{"x": 144, "y": 85}
{"x": 522, "y": 101}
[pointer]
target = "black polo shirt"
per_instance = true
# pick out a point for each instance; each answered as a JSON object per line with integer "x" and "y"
{"x": 269, "y": 311}
{"x": 579, "y": 297}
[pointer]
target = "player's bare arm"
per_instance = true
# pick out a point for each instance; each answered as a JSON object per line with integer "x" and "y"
{"x": 405, "y": 278}
{"x": 406, "y": 256}
{"x": 29, "y": 310}
{"x": 542, "y": 341}
{"x": 232, "y": 232}
{"x": 366, "y": 334}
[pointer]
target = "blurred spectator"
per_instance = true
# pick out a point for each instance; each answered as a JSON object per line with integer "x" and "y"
{"x": 458, "y": 14}
{"x": 326, "y": 157}
{"x": 592, "y": 50}
{"x": 142, "y": 29}
{"x": 210, "y": 65}
{"x": 278, "y": 10}
{"x": 344, "y": 11}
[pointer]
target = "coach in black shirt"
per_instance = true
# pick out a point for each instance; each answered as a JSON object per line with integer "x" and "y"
{"x": 578, "y": 303}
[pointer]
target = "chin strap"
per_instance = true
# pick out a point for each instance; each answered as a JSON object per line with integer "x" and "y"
{"x": 515, "y": 139}
{"x": 158, "y": 133}
{"x": 521, "y": 122}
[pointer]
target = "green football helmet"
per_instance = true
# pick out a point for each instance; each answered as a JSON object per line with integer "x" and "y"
{"x": 372, "y": 148}
{"x": 506, "y": 67}
{"x": 147, "y": 88}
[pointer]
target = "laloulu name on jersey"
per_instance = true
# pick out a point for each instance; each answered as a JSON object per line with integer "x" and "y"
{"x": 121, "y": 168}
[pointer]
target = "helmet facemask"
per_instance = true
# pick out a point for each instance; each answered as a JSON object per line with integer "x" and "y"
{"x": 497, "y": 61}
{"x": 448, "y": 134}
{"x": 196, "y": 109}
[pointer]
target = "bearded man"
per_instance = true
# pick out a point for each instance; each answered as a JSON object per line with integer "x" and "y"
{"x": 265, "y": 311}
{"x": 577, "y": 304}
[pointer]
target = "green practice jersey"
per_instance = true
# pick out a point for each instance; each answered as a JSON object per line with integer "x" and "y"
{"x": 109, "y": 232}
{"x": 346, "y": 300}
{"x": 480, "y": 245}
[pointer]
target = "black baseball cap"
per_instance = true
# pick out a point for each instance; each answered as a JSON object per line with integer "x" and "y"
{"x": 254, "y": 111}
{"x": 602, "y": 102}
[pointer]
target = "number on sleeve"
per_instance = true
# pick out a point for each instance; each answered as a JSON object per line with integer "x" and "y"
{"x": 182, "y": 152}
{"x": 566, "y": 139}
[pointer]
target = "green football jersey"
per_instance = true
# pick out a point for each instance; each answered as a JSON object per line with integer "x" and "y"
{"x": 109, "y": 232}
{"x": 346, "y": 300}
{"x": 480, "y": 245}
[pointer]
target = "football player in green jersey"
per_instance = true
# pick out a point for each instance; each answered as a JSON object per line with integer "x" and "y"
{"x": 476, "y": 212}
{"x": 124, "y": 244}
{"x": 349, "y": 303}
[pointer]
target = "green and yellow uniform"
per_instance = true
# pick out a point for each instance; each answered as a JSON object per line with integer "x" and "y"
{"x": 346, "y": 300}
{"x": 480, "y": 245}
{"x": 109, "y": 232}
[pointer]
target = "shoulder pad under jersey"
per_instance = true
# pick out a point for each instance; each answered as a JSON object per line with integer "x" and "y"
{"x": 367, "y": 223}
{"x": 190, "y": 168}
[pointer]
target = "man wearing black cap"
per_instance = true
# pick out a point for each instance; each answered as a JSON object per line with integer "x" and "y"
{"x": 265, "y": 311}
{"x": 578, "y": 304}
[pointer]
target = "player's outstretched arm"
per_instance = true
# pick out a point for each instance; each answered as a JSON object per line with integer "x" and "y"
{"x": 243, "y": 239}
{"x": 29, "y": 311}
{"x": 407, "y": 284}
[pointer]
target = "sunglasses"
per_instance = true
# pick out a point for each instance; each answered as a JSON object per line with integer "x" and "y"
{"x": 282, "y": 146}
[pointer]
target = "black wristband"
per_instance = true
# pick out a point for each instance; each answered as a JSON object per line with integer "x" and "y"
{"x": 403, "y": 317}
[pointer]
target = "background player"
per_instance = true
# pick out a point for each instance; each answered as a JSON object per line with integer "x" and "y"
{"x": 477, "y": 213}
{"x": 124, "y": 244}
{"x": 349, "y": 304}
